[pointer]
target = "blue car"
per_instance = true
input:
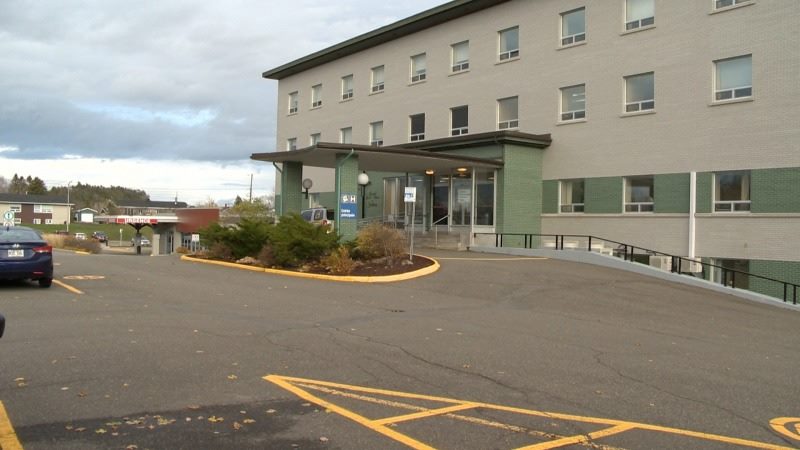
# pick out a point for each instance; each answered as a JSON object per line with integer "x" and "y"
{"x": 24, "y": 254}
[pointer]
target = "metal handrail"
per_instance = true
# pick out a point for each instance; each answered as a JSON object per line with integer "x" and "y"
{"x": 628, "y": 251}
{"x": 436, "y": 231}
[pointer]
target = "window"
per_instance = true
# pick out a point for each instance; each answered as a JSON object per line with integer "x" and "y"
{"x": 347, "y": 87}
{"x": 573, "y": 27}
{"x": 377, "y": 79}
{"x": 314, "y": 138}
{"x": 640, "y": 92}
{"x": 573, "y": 103}
{"x": 15, "y": 208}
{"x": 572, "y": 196}
{"x": 509, "y": 44}
{"x": 293, "y": 103}
{"x": 459, "y": 120}
{"x": 48, "y": 221}
{"x": 639, "y": 194}
{"x": 507, "y": 113}
{"x": 732, "y": 191}
{"x": 376, "y": 134}
{"x": 734, "y": 78}
{"x": 37, "y": 221}
{"x": 291, "y": 144}
{"x": 316, "y": 96}
{"x": 460, "y": 58}
{"x": 417, "y": 127}
{"x": 42, "y": 208}
{"x": 719, "y": 4}
{"x": 639, "y": 13}
{"x": 17, "y": 221}
{"x": 418, "y": 68}
{"x": 346, "y": 135}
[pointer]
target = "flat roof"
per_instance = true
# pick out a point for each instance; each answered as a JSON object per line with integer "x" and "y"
{"x": 418, "y": 22}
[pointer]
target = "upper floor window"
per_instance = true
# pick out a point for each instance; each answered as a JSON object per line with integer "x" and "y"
{"x": 507, "y": 113}
{"x": 15, "y": 208}
{"x": 573, "y": 103}
{"x": 640, "y": 92}
{"x": 376, "y": 134}
{"x": 291, "y": 144}
{"x": 572, "y": 196}
{"x": 377, "y": 79}
{"x": 346, "y": 135}
{"x": 316, "y": 96}
{"x": 573, "y": 26}
{"x": 734, "y": 78}
{"x": 417, "y": 127}
{"x": 732, "y": 191}
{"x": 719, "y": 4}
{"x": 43, "y": 208}
{"x": 459, "y": 120}
{"x": 460, "y": 57}
{"x": 314, "y": 138}
{"x": 639, "y": 194}
{"x": 347, "y": 87}
{"x": 293, "y": 102}
{"x": 418, "y": 70}
{"x": 639, "y": 13}
{"x": 509, "y": 44}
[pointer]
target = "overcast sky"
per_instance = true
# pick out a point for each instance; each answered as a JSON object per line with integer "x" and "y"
{"x": 164, "y": 96}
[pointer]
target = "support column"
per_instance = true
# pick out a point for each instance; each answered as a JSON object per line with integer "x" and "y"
{"x": 347, "y": 185}
{"x": 292, "y": 188}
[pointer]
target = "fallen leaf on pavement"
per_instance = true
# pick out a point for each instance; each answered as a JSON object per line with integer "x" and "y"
{"x": 237, "y": 426}
{"x": 248, "y": 421}
{"x": 232, "y": 377}
{"x": 100, "y": 431}
{"x": 215, "y": 419}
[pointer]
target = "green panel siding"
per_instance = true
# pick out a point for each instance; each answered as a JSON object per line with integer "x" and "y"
{"x": 775, "y": 190}
{"x": 603, "y": 195}
{"x": 519, "y": 199}
{"x": 347, "y": 168}
{"x": 487, "y": 152}
{"x": 705, "y": 191}
{"x": 327, "y": 199}
{"x": 292, "y": 196}
{"x": 779, "y": 270}
{"x": 672, "y": 193}
{"x": 550, "y": 200}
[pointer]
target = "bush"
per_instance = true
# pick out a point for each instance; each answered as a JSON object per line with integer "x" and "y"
{"x": 182, "y": 250}
{"x": 247, "y": 239}
{"x": 220, "y": 251}
{"x": 378, "y": 241}
{"x": 339, "y": 262}
{"x": 295, "y": 241}
{"x": 266, "y": 256}
{"x": 82, "y": 245}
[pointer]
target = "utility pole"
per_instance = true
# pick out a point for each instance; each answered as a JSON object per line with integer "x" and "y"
{"x": 69, "y": 208}
{"x": 251, "y": 188}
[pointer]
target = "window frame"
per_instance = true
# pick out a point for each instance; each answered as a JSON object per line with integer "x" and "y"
{"x": 372, "y": 141}
{"x": 314, "y": 138}
{"x": 342, "y": 135}
{"x": 574, "y": 115}
{"x": 377, "y": 87}
{"x": 639, "y": 24}
{"x": 733, "y": 91}
{"x": 511, "y": 124}
{"x": 744, "y": 206}
{"x": 316, "y": 96}
{"x": 461, "y": 65}
{"x": 733, "y": 4}
{"x": 648, "y": 105}
{"x": 571, "y": 208}
{"x": 416, "y": 137}
{"x": 576, "y": 38}
{"x": 509, "y": 54}
{"x": 294, "y": 102}
{"x": 291, "y": 144}
{"x": 459, "y": 131}
{"x": 417, "y": 75}
{"x": 638, "y": 207}
{"x": 17, "y": 208}
{"x": 347, "y": 94}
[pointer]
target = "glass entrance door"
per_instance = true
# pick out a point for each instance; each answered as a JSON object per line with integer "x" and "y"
{"x": 461, "y": 200}
{"x": 441, "y": 199}
{"x": 393, "y": 206}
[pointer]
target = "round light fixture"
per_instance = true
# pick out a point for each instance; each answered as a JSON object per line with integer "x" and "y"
{"x": 307, "y": 183}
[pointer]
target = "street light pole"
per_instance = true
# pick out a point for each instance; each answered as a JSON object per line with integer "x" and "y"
{"x": 69, "y": 208}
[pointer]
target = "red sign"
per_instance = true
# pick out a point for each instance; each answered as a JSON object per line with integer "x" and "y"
{"x": 136, "y": 219}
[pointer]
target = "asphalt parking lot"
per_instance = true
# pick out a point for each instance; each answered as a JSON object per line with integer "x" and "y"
{"x": 140, "y": 352}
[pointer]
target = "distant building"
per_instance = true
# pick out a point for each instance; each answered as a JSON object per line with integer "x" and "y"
{"x": 36, "y": 209}
{"x": 85, "y": 215}
{"x": 149, "y": 207}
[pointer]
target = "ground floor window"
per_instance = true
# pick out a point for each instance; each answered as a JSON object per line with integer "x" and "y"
{"x": 732, "y": 272}
{"x": 572, "y": 196}
{"x": 639, "y": 194}
{"x": 484, "y": 197}
{"x": 37, "y": 221}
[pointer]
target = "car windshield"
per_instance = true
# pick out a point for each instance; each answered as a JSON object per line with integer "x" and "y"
{"x": 17, "y": 235}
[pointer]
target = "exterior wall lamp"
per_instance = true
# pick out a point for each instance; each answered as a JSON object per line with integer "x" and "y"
{"x": 363, "y": 181}
{"x": 307, "y": 183}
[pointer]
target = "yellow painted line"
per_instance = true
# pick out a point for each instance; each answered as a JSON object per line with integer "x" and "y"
{"x": 8, "y": 438}
{"x": 425, "y": 414}
{"x": 617, "y": 426}
{"x": 781, "y": 425}
{"x": 388, "y": 432}
{"x": 67, "y": 287}
{"x": 579, "y": 439}
{"x": 315, "y": 276}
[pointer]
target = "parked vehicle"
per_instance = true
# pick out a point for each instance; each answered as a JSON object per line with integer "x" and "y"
{"x": 2, "y": 325}
{"x": 100, "y": 236}
{"x": 24, "y": 254}
{"x": 143, "y": 241}
{"x": 319, "y": 216}
{"x": 80, "y": 236}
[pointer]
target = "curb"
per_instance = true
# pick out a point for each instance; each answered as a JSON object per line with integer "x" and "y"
{"x": 342, "y": 278}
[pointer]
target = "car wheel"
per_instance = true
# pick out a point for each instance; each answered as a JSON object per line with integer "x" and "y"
{"x": 45, "y": 282}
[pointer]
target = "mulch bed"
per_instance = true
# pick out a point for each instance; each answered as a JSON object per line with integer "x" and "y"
{"x": 371, "y": 268}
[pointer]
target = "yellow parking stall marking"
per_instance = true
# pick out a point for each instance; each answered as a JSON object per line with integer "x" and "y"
{"x": 67, "y": 287}
{"x": 8, "y": 438}
{"x": 784, "y": 425}
{"x": 300, "y": 387}
{"x": 426, "y": 414}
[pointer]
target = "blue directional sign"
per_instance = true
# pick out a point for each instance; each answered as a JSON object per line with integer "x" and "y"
{"x": 348, "y": 206}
